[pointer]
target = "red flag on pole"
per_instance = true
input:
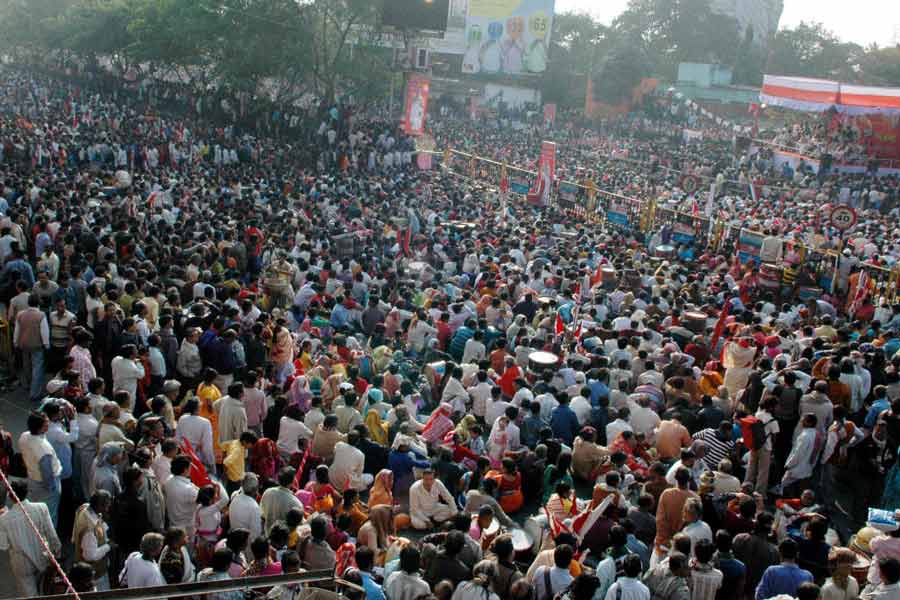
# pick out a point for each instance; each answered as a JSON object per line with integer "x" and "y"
{"x": 199, "y": 475}
{"x": 560, "y": 326}
{"x": 720, "y": 325}
{"x": 407, "y": 238}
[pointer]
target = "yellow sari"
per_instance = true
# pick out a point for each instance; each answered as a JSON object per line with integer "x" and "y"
{"x": 207, "y": 395}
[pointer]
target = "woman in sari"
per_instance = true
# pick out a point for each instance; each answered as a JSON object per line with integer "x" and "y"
{"x": 711, "y": 379}
{"x": 509, "y": 486}
{"x": 636, "y": 458}
{"x": 376, "y": 427}
{"x": 438, "y": 425}
{"x": 377, "y": 531}
{"x": 282, "y": 354}
{"x": 207, "y": 394}
{"x": 498, "y": 442}
{"x": 558, "y": 473}
{"x": 325, "y": 497}
{"x": 301, "y": 395}
{"x": 264, "y": 459}
{"x": 464, "y": 429}
{"x": 382, "y": 489}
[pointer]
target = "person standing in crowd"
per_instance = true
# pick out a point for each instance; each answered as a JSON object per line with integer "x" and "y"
{"x": 28, "y": 558}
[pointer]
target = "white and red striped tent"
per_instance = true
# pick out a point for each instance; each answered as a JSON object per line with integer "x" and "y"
{"x": 818, "y": 95}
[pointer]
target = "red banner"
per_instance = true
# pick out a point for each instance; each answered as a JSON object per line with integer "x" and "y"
{"x": 540, "y": 193}
{"x": 416, "y": 105}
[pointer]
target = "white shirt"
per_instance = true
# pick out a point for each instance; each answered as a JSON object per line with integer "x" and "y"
{"x": 244, "y": 513}
{"x": 198, "y": 431}
{"x": 138, "y": 572}
{"x": 347, "y": 467}
{"x": 643, "y": 420}
{"x": 473, "y": 351}
{"x": 89, "y": 547}
{"x": 16, "y": 533}
{"x": 181, "y": 500}
{"x": 162, "y": 468}
{"x": 125, "y": 374}
{"x": 631, "y": 589}
{"x": 480, "y": 394}
{"x": 425, "y": 502}
{"x": 581, "y": 406}
{"x": 615, "y": 428}
{"x": 289, "y": 432}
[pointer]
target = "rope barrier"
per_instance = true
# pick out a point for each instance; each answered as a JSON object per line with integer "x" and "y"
{"x": 43, "y": 541}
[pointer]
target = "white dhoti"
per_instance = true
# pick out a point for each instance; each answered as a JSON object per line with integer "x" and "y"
{"x": 426, "y": 518}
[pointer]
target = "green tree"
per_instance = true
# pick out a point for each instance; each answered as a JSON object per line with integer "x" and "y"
{"x": 810, "y": 50}
{"x": 620, "y": 71}
{"x": 880, "y": 66}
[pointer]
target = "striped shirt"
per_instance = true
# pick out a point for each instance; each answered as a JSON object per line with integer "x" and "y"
{"x": 705, "y": 582}
{"x": 716, "y": 448}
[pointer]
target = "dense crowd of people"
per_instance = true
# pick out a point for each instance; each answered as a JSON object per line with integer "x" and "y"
{"x": 247, "y": 359}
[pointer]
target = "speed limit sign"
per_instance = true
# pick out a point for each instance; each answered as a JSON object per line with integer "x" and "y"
{"x": 843, "y": 217}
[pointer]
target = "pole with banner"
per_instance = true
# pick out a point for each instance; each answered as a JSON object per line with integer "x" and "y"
{"x": 416, "y": 104}
{"x": 540, "y": 192}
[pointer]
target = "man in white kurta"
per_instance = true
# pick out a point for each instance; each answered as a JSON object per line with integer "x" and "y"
{"x": 277, "y": 501}
{"x": 804, "y": 453}
{"x": 347, "y": 466}
{"x": 27, "y": 557}
{"x": 181, "y": 497}
{"x": 429, "y": 502}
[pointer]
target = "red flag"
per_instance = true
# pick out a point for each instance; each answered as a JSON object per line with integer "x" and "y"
{"x": 298, "y": 478}
{"x": 199, "y": 475}
{"x": 720, "y": 325}
{"x": 407, "y": 238}
{"x": 597, "y": 277}
{"x": 695, "y": 208}
{"x": 560, "y": 326}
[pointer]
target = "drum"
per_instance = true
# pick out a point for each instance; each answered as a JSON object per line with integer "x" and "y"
{"x": 665, "y": 251}
{"x": 695, "y": 321}
{"x": 681, "y": 335}
{"x": 860, "y": 569}
{"x": 539, "y": 361}
{"x": 522, "y": 544}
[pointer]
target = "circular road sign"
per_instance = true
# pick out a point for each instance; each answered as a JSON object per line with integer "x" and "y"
{"x": 843, "y": 217}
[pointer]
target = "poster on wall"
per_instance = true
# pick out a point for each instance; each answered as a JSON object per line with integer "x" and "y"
{"x": 416, "y": 104}
{"x": 507, "y": 36}
{"x": 540, "y": 192}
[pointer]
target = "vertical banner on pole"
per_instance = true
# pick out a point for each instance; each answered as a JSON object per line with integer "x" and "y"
{"x": 540, "y": 192}
{"x": 416, "y": 106}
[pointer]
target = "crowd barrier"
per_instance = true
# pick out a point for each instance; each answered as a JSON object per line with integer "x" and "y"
{"x": 645, "y": 215}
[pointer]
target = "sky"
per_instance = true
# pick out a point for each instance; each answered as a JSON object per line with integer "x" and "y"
{"x": 862, "y": 21}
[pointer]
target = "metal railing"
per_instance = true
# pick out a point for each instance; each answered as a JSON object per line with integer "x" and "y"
{"x": 324, "y": 577}
{"x": 646, "y": 214}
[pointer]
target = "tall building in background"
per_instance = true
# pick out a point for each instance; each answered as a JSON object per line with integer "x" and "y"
{"x": 762, "y": 15}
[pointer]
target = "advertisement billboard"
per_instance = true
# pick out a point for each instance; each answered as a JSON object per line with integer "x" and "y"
{"x": 416, "y": 105}
{"x": 507, "y": 36}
